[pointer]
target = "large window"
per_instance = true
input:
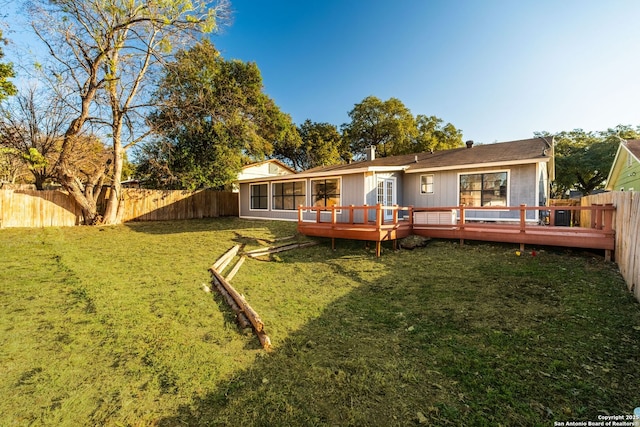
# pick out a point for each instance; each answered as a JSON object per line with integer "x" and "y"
{"x": 426, "y": 184}
{"x": 288, "y": 195}
{"x": 259, "y": 196}
{"x": 325, "y": 192}
{"x": 483, "y": 189}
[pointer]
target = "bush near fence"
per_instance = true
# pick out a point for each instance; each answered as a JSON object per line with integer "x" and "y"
{"x": 626, "y": 223}
{"x": 54, "y": 208}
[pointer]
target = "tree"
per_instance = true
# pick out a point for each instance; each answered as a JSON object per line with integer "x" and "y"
{"x": 32, "y": 123}
{"x": 320, "y": 144}
{"x": 387, "y": 125}
{"x": 212, "y": 117}
{"x": 583, "y": 159}
{"x": 434, "y": 136}
{"x": 7, "y": 88}
{"x": 105, "y": 52}
{"x": 12, "y": 165}
{"x": 393, "y": 130}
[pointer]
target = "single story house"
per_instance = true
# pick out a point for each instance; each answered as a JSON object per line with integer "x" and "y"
{"x": 500, "y": 174}
{"x": 625, "y": 170}
{"x": 271, "y": 167}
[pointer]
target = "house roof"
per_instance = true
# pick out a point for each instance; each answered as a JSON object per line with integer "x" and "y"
{"x": 632, "y": 146}
{"x": 514, "y": 152}
{"x": 274, "y": 161}
{"x": 481, "y": 155}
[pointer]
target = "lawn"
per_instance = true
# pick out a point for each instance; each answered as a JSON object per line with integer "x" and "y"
{"x": 111, "y": 326}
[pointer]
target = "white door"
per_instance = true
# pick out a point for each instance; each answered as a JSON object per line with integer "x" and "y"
{"x": 386, "y": 195}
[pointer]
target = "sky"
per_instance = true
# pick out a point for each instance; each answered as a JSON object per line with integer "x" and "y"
{"x": 497, "y": 70}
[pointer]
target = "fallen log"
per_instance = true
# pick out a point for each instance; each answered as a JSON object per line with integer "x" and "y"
{"x": 274, "y": 249}
{"x": 253, "y": 317}
{"x": 264, "y": 340}
{"x": 235, "y": 268}
{"x": 241, "y": 318}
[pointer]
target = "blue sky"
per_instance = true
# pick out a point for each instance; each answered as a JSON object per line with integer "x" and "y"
{"x": 498, "y": 70}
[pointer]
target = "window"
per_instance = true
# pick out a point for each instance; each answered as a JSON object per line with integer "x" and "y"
{"x": 259, "y": 197}
{"x": 426, "y": 184}
{"x": 325, "y": 192}
{"x": 288, "y": 195}
{"x": 483, "y": 189}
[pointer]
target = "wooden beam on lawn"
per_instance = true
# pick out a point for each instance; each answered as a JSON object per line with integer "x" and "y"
{"x": 235, "y": 268}
{"x": 272, "y": 250}
{"x": 226, "y": 256}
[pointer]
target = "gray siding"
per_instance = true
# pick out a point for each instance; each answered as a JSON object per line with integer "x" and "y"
{"x": 523, "y": 183}
{"x": 351, "y": 193}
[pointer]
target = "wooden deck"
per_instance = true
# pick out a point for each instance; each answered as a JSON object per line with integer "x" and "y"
{"x": 451, "y": 223}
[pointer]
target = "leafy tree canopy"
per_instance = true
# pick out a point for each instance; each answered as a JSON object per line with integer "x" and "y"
{"x": 7, "y": 88}
{"x": 212, "y": 117}
{"x": 320, "y": 144}
{"x": 391, "y": 127}
{"x": 583, "y": 159}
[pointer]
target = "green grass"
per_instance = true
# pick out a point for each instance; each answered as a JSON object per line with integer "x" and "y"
{"x": 110, "y": 326}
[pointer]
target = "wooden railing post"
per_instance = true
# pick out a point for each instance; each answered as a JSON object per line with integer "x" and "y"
{"x": 608, "y": 217}
{"x": 462, "y": 221}
{"x": 378, "y": 215}
{"x": 523, "y": 218}
{"x": 411, "y": 216}
{"x": 365, "y": 212}
{"x": 318, "y": 215}
{"x": 592, "y": 212}
{"x": 300, "y": 213}
{"x": 351, "y": 209}
{"x": 599, "y": 217}
{"x": 395, "y": 214}
{"x": 333, "y": 215}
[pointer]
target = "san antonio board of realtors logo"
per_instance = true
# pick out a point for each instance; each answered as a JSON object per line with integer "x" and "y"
{"x": 636, "y": 417}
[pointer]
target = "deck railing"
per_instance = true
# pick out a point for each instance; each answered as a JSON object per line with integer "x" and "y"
{"x": 351, "y": 216}
{"x": 601, "y": 216}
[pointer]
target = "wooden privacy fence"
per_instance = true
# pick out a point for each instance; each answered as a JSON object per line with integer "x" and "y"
{"x": 627, "y": 227}
{"x": 158, "y": 205}
{"x": 54, "y": 208}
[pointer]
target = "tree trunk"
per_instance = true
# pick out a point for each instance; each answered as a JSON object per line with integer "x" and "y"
{"x": 73, "y": 186}
{"x": 111, "y": 216}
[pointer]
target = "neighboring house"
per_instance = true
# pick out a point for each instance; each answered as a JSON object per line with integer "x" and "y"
{"x": 502, "y": 174}
{"x": 263, "y": 169}
{"x": 625, "y": 170}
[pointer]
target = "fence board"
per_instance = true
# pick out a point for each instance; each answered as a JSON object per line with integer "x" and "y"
{"x": 626, "y": 223}
{"x": 54, "y": 208}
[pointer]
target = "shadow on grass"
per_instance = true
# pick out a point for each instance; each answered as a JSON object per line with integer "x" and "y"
{"x": 444, "y": 335}
{"x": 230, "y": 224}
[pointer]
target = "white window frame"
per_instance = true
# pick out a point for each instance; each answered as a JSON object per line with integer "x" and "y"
{"x": 427, "y": 184}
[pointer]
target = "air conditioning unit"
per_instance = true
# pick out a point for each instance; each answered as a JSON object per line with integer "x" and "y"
{"x": 447, "y": 217}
